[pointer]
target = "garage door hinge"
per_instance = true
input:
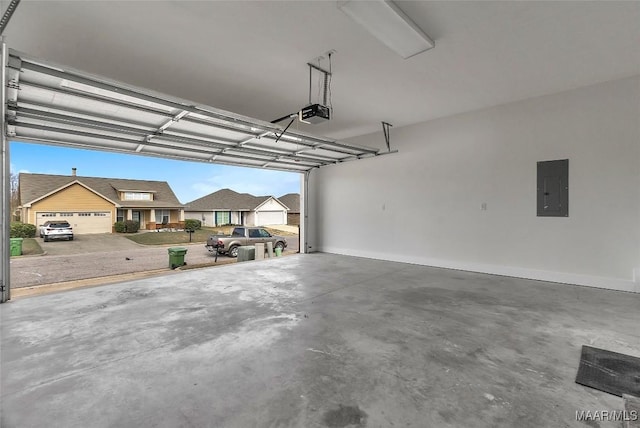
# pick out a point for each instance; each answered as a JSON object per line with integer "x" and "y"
{"x": 386, "y": 130}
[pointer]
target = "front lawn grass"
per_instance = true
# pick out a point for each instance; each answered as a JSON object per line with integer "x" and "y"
{"x": 179, "y": 237}
{"x": 30, "y": 247}
{"x": 182, "y": 237}
{"x": 280, "y": 232}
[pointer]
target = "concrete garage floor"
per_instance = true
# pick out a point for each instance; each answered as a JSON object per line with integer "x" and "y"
{"x": 311, "y": 341}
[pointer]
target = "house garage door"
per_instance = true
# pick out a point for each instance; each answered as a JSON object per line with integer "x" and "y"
{"x": 270, "y": 217}
{"x": 82, "y": 222}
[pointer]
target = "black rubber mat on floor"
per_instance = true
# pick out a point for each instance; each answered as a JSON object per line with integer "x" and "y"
{"x": 609, "y": 371}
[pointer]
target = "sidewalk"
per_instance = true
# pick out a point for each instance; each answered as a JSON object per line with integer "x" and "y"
{"x": 284, "y": 227}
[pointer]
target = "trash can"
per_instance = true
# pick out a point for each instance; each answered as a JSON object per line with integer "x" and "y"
{"x": 16, "y": 246}
{"x": 176, "y": 257}
{"x": 278, "y": 251}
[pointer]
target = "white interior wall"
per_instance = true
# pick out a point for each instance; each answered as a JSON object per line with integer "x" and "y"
{"x": 423, "y": 205}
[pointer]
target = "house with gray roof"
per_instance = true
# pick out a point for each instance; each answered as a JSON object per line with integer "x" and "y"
{"x": 93, "y": 204}
{"x": 229, "y": 207}
{"x": 292, "y": 200}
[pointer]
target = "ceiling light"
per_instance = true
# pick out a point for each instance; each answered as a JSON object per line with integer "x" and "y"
{"x": 388, "y": 24}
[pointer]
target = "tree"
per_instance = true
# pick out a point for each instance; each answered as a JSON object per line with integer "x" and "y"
{"x": 15, "y": 195}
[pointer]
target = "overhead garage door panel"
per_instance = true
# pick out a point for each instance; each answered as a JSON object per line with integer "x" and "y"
{"x": 270, "y": 217}
{"x": 81, "y": 222}
{"x": 57, "y": 105}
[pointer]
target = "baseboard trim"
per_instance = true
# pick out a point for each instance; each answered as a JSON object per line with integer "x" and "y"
{"x": 517, "y": 272}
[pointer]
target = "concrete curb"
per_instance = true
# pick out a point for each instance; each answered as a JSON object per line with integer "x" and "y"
{"x": 37, "y": 290}
{"x": 44, "y": 253}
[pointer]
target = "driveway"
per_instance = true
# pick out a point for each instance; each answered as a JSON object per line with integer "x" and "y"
{"x": 94, "y": 256}
{"x": 85, "y": 244}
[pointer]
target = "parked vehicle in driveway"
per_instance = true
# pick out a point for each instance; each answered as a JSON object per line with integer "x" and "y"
{"x": 56, "y": 229}
{"x": 228, "y": 244}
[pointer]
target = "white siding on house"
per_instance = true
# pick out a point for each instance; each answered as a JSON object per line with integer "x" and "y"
{"x": 206, "y": 217}
{"x": 250, "y": 219}
{"x": 428, "y": 205}
{"x": 271, "y": 205}
{"x": 236, "y": 217}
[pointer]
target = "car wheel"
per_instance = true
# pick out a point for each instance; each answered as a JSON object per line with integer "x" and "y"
{"x": 46, "y": 238}
{"x": 71, "y": 238}
{"x": 233, "y": 251}
{"x": 280, "y": 245}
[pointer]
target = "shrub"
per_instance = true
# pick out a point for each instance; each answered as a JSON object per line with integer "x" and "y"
{"x": 131, "y": 226}
{"x": 192, "y": 224}
{"x": 128, "y": 226}
{"x": 22, "y": 230}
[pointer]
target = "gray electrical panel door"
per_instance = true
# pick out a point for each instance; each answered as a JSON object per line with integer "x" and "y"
{"x": 553, "y": 188}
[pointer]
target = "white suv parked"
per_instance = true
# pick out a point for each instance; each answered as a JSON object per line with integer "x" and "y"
{"x": 56, "y": 229}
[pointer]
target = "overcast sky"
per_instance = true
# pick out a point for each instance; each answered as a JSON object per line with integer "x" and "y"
{"x": 189, "y": 180}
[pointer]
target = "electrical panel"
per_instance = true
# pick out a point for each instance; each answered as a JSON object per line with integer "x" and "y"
{"x": 553, "y": 188}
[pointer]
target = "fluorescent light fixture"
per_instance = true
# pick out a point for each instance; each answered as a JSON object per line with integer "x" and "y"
{"x": 388, "y": 24}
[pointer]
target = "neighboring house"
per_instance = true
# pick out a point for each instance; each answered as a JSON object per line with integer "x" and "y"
{"x": 93, "y": 205}
{"x": 228, "y": 207}
{"x": 292, "y": 200}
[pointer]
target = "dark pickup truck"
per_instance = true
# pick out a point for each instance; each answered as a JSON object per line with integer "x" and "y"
{"x": 244, "y": 235}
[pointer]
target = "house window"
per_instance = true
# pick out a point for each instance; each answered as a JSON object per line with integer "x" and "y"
{"x": 66, "y": 214}
{"x": 84, "y": 214}
{"x": 120, "y": 215}
{"x": 100, "y": 214}
{"x": 48, "y": 214}
{"x": 223, "y": 217}
{"x": 162, "y": 216}
{"x": 137, "y": 196}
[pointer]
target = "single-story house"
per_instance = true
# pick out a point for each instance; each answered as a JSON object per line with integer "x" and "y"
{"x": 228, "y": 207}
{"x": 93, "y": 205}
{"x": 292, "y": 200}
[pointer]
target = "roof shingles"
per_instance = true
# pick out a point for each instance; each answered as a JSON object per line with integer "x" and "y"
{"x": 292, "y": 201}
{"x": 35, "y": 186}
{"x": 226, "y": 199}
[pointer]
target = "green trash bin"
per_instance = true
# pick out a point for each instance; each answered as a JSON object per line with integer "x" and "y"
{"x": 278, "y": 251}
{"x": 176, "y": 257}
{"x": 16, "y": 246}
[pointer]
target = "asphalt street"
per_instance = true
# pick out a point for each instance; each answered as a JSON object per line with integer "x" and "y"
{"x": 123, "y": 258}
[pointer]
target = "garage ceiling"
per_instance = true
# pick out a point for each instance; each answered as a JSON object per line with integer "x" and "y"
{"x": 250, "y": 57}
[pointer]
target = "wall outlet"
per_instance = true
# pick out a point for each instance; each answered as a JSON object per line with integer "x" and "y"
{"x": 483, "y": 207}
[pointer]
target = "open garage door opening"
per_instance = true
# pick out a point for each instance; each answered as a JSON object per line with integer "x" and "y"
{"x": 176, "y": 195}
{"x": 57, "y": 106}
